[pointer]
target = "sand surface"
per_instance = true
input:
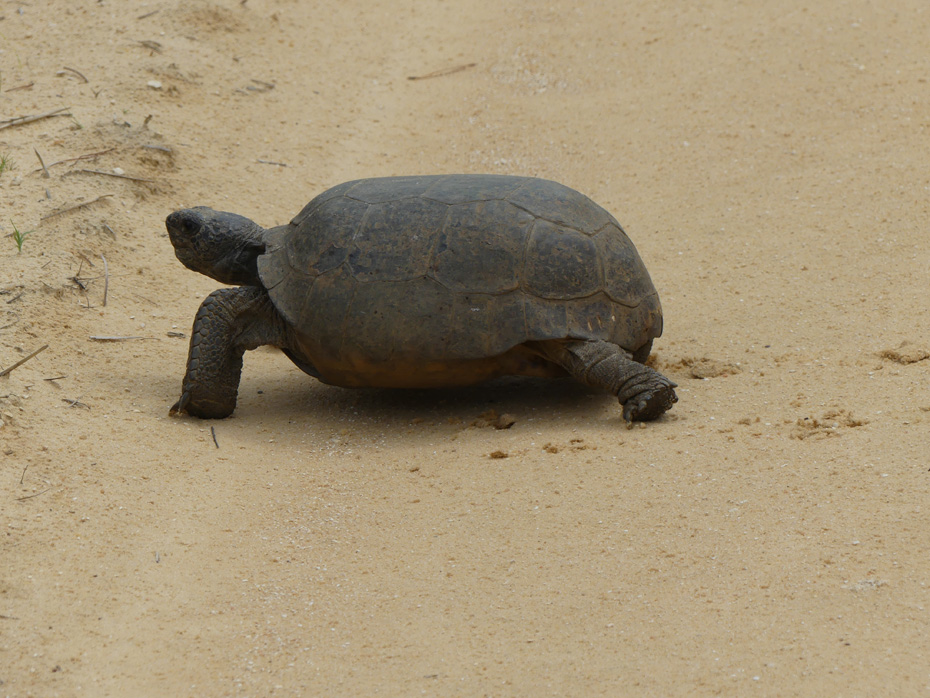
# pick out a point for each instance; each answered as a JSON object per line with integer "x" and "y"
{"x": 768, "y": 536}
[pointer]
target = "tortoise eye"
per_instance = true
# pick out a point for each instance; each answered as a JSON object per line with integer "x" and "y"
{"x": 189, "y": 226}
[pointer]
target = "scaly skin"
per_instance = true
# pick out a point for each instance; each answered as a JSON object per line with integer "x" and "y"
{"x": 230, "y": 322}
{"x": 644, "y": 393}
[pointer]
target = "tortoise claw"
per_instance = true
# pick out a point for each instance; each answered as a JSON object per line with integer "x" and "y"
{"x": 629, "y": 409}
{"x": 180, "y": 407}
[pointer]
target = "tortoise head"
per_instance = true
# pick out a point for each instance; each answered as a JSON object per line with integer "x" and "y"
{"x": 224, "y": 246}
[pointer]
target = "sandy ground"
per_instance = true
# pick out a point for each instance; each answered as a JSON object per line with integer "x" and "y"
{"x": 766, "y": 537}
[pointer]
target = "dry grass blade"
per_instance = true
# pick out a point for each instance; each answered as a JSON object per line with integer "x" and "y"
{"x": 88, "y": 156}
{"x": 74, "y": 208}
{"x": 42, "y": 162}
{"x": 115, "y": 338}
{"x": 66, "y": 69}
{"x": 260, "y": 86}
{"x": 112, "y": 174}
{"x": 7, "y": 371}
{"x": 106, "y": 279}
{"x": 75, "y": 403}
{"x": 152, "y": 45}
{"x": 30, "y": 496}
{"x": 443, "y": 72}
{"x": 29, "y": 118}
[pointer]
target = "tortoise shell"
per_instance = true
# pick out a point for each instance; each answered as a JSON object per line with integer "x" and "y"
{"x": 425, "y": 270}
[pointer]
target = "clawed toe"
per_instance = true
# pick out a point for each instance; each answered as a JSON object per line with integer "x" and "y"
{"x": 180, "y": 407}
{"x": 650, "y": 404}
{"x": 202, "y": 407}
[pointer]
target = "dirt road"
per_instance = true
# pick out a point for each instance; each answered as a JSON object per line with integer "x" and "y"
{"x": 767, "y": 536}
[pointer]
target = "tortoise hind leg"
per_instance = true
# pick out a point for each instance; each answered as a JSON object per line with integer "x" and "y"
{"x": 229, "y": 322}
{"x": 644, "y": 393}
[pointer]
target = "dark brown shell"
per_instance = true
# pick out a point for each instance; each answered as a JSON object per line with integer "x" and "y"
{"x": 444, "y": 268}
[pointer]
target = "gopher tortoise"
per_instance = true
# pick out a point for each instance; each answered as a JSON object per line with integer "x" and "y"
{"x": 432, "y": 281}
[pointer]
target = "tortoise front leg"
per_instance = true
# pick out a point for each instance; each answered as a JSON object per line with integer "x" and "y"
{"x": 644, "y": 393}
{"x": 229, "y": 321}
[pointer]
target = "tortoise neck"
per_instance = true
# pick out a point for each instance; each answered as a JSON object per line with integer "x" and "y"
{"x": 239, "y": 267}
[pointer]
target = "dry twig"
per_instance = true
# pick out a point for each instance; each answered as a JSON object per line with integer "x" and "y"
{"x": 29, "y": 118}
{"x": 7, "y": 371}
